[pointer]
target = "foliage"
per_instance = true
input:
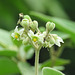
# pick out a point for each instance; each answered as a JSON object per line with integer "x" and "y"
{"x": 15, "y": 57}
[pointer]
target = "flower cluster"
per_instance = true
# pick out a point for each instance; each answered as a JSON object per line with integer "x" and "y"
{"x": 30, "y": 33}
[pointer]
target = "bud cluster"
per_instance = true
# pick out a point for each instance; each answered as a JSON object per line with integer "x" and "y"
{"x": 30, "y": 33}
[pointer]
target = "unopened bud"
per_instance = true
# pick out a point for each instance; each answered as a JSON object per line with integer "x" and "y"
{"x": 27, "y": 17}
{"x": 25, "y": 23}
{"x": 50, "y": 26}
{"x": 34, "y": 25}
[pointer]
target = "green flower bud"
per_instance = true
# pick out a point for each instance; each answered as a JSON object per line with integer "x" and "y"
{"x": 34, "y": 25}
{"x": 27, "y": 17}
{"x": 50, "y": 26}
{"x": 25, "y": 23}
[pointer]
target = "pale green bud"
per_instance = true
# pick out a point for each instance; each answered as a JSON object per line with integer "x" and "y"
{"x": 50, "y": 26}
{"x": 27, "y": 17}
{"x": 25, "y": 23}
{"x": 34, "y": 25}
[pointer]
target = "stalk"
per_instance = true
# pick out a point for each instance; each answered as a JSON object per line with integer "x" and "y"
{"x": 36, "y": 61}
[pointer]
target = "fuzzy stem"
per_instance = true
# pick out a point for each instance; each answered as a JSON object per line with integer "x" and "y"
{"x": 36, "y": 61}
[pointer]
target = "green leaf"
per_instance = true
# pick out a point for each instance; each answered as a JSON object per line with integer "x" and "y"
{"x": 59, "y": 62}
{"x": 54, "y": 8}
{"x": 5, "y": 37}
{"x": 29, "y": 51}
{"x": 7, "y": 66}
{"x": 25, "y": 68}
{"x": 64, "y": 25}
{"x": 25, "y": 52}
{"x": 7, "y": 18}
{"x": 6, "y": 52}
{"x": 20, "y": 5}
{"x": 36, "y": 5}
{"x": 61, "y": 34}
{"x": 51, "y": 71}
{"x": 59, "y": 67}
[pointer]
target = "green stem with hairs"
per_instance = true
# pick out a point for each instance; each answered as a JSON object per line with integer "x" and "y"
{"x": 36, "y": 61}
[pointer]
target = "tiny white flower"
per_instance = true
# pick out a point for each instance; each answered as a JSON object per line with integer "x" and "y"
{"x": 17, "y": 33}
{"x": 58, "y": 40}
{"x": 53, "y": 39}
{"x": 36, "y": 37}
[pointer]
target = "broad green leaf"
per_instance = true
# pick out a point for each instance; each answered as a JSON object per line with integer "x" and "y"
{"x": 66, "y": 26}
{"x": 54, "y": 8}
{"x": 5, "y": 37}
{"x": 26, "y": 52}
{"x": 25, "y": 68}
{"x": 21, "y": 53}
{"x": 36, "y": 5}
{"x": 59, "y": 67}
{"x": 20, "y": 5}
{"x": 59, "y": 62}
{"x": 29, "y": 51}
{"x": 7, "y": 66}
{"x": 7, "y": 18}
{"x": 51, "y": 71}
{"x": 6, "y": 52}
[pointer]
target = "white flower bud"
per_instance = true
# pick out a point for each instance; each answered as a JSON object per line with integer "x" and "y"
{"x": 25, "y": 23}
{"x": 50, "y": 26}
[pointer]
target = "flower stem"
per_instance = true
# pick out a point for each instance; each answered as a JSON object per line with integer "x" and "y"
{"x": 36, "y": 61}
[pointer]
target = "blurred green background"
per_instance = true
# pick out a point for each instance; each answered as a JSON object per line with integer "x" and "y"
{"x": 64, "y": 9}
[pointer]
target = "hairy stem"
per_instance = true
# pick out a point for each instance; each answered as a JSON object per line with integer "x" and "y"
{"x": 36, "y": 61}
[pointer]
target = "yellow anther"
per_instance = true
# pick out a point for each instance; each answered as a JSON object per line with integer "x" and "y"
{"x": 34, "y": 39}
{"x": 16, "y": 36}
